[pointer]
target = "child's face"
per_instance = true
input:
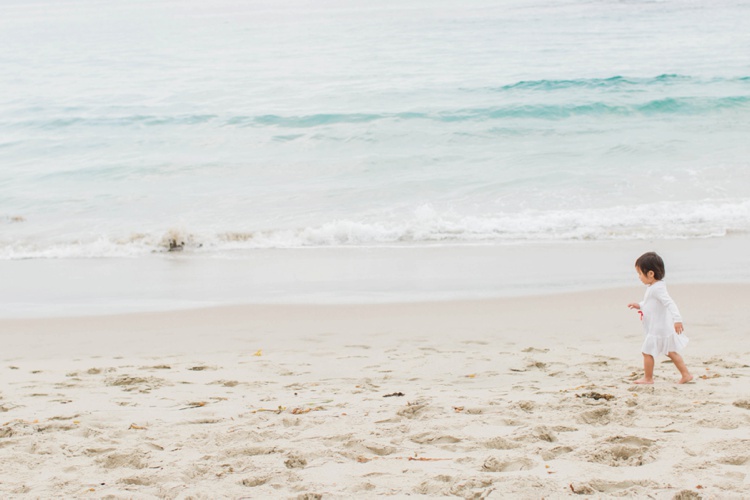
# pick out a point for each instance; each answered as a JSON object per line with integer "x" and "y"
{"x": 646, "y": 279}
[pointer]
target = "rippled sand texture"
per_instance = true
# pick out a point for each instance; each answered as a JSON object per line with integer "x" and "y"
{"x": 342, "y": 415}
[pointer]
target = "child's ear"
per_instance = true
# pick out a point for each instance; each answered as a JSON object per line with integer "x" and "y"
{"x": 650, "y": 274}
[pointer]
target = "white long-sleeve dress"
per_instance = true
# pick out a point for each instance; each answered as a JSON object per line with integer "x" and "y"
{"x": 660, "y": 313}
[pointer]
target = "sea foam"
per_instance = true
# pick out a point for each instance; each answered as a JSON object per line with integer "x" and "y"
{"x": 425, "y": 226}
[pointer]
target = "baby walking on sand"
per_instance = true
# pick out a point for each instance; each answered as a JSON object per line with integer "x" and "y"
{"x": 662, "y": 322}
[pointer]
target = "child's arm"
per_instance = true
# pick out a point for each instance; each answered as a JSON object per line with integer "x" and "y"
{"x": 634, "y": 305}
{"x": 663, "y": 296}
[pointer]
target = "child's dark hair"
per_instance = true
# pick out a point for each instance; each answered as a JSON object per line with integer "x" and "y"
{"x": 650, "y": 261}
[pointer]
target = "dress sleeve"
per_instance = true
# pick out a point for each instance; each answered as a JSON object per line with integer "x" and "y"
{"x": 663, "y": 296}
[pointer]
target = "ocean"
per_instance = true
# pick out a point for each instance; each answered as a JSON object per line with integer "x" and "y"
{"x": 136, "y": 131}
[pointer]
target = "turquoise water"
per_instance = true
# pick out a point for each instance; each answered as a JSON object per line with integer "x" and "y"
{"x": 232, "y": 127}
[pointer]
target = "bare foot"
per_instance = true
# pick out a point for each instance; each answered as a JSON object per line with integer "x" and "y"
{"x": 646, "y": 381}
{"x": 685, "y": 379}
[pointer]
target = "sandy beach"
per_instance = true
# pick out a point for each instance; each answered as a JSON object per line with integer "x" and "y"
{"x": 351, "y": 250}
{"x": 526, "y": 397}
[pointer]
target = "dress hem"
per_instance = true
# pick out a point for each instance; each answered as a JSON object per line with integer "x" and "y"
{"x": 661, "y": 346}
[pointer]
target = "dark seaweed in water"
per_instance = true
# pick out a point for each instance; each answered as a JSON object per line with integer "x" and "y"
{"x": 175, "y": 245}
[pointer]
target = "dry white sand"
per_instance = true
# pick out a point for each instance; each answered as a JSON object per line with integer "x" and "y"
{"x": 480, "y": 399}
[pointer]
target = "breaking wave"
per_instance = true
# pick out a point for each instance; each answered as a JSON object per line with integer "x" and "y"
{"x": 424, "y": 227}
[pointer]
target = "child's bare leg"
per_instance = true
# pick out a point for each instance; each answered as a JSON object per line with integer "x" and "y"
{"x": 679, "y": 363}
{"x": 648, "y": 369}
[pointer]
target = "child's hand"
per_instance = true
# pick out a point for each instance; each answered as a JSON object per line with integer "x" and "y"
{"x": 678, "y": 328}
{"x": 634, "y": 305}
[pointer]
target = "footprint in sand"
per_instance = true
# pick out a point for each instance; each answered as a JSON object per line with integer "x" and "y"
{"x": 250, "y": 451}
{"x": 413, "y": 411}
{"x": 252, "y": 482}
{"x": 494, "y": 464}
{"x": 527, "y": 406}
{"x": 619, "y": 487}
{"x": 687, "y": 495}
{"x": 201, "y": 368}
{"x": 433, "y": 438}
{"x": 534, "y": 349}
{"x": 501, "y": 443}
{"x": 140, "y": 384}
{"x": 536, "y": 365}
{"x": 613, "y": 486}
{"x": 364, "y": 487}
{"x": 366, "y": 385}
{"x": 730, "y": 452}
{"x": 295, "y": 462}
{"x": 724, "y": 363}
{"x": 720, "y": 422}
{"x": 539, "y": 433}
{"x": 445, "y": 486}
{"x": 138, "y": 481}
{"x": 45, "y": 428}
{"x": 360, "y": 447}
{"x": 555, "y": 452}
{"x": 735, "y": 460}
{"x": 309, "y": 496}
{"x": 621, "y": 451}
{"x": 132, "y": 460}
{"x": 597, "y": 416}
{"x": 156, "y": 367}
{"x": 632, "y": 440}
{"x": 225, "y": 383}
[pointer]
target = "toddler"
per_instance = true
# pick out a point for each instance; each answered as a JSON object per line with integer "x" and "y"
{"x": 662, "y": 322}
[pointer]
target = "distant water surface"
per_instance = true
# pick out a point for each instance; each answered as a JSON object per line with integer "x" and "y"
{"x": 231, "y": 126}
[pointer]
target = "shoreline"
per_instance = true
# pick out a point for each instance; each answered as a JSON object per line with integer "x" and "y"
{"x": 80, "y": 287}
